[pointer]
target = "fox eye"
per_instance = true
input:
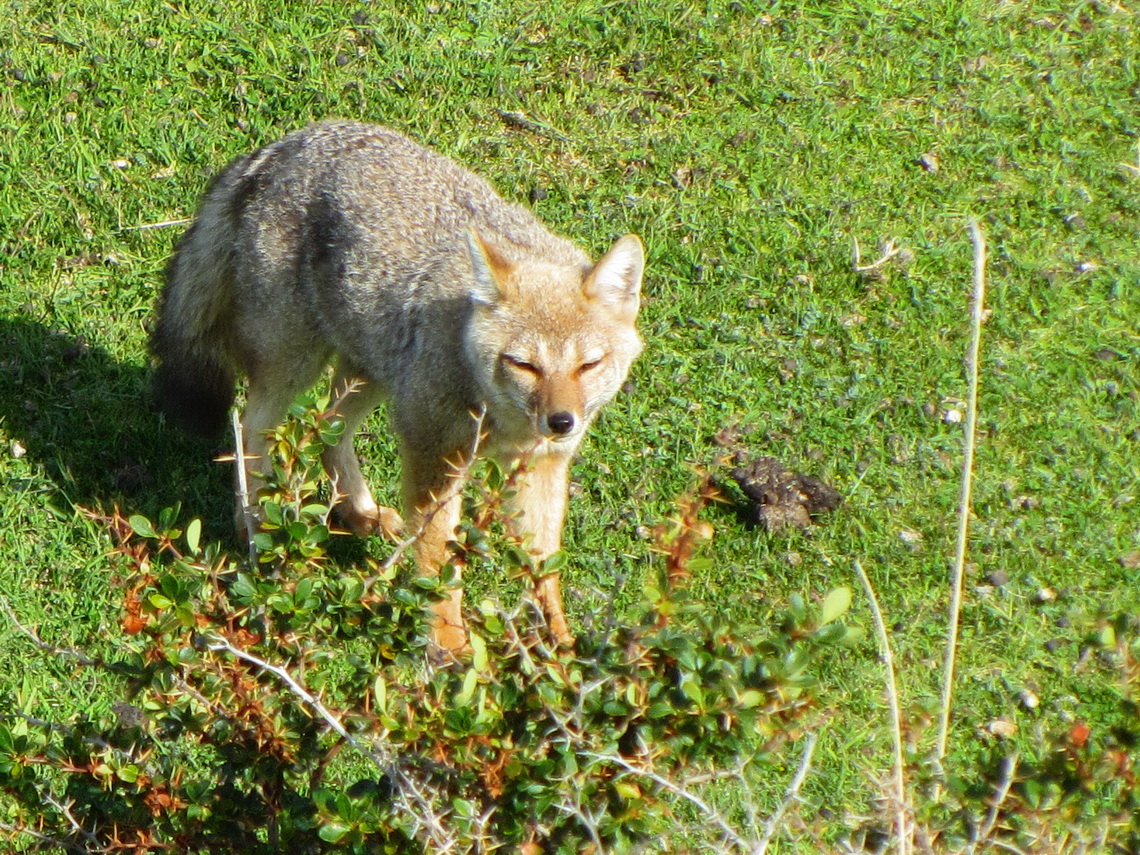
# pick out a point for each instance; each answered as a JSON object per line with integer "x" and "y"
{"x": 591, "y": 364}
{"x": 520, "y": 364}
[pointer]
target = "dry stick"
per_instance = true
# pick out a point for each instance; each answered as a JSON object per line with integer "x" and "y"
{"x": 774, "y": 821}
{"x": 243, "y": 485}
{"x": 896, "y": 714}
{"x": 711, "y": 814}
{"x": 889, "y": 250}
{"x": 1009, "y": 768}
{"x": 65, "y": 809}
{"x": 160, "y": 225}
{"x": 43, "y": 838}
{"x": 978, "y": 302}
{"x": 77, "y": 656}
{"x": 414, "y": 796}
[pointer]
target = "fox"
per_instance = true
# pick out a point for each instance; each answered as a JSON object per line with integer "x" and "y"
{"x": 484, "y": 333}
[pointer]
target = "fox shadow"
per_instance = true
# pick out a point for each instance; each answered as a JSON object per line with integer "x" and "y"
{"x": 83, "y": 418}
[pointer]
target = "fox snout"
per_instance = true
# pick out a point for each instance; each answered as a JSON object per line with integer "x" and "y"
{"x": 561, "y": 423}
{"x": 558, "y": 409}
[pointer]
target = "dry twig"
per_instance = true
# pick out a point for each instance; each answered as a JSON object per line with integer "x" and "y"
{"x": 773, "y": 823}
{"x": 977, "y": 309}
{"x": 896, "y": 714}
{"x": 889, "y": 250}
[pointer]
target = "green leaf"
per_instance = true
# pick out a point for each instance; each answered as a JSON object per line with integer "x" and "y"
{"x": 470, "y": 684}
{"x": 380, "y": 692}
{"x": 193, "y": 535}
{"x": 835, "y": 605}
{"x": 142, "y": 526}
{"x": 555, "y": 563}
{"x": 130, "y": 773}
{"x": 750, "y": 698}
{"x": 478, "y": 651}
{"x": 693, "y": 692}
{"x": 334, "y": 832}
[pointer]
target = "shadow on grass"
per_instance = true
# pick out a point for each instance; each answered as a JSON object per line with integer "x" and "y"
{"x": 84, "y": 417}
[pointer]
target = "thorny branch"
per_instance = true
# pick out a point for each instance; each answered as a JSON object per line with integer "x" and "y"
{"x": 417, "y": 797}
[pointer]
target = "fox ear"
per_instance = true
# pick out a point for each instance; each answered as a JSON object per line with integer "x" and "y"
{"x": 616, "y": 278}
{"x": 490, "y": 268}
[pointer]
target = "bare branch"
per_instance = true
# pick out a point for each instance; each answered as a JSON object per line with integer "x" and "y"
{"x": 53, "y": 841}
{"x": 76, "y": 656}
{"x": 418, "y": 798}
{"x": 1008, "y": 770}
{"x": 65, "y": 809}
{"x": 249, "y": 518}
{"x": 977, "y": 306}
{"x": 792, "y": 795}
{"x": 712, "y": 814}
{"x": 160, "y": 225}
{"x": 896, "y": 715}
{"x": 889, "y": 250}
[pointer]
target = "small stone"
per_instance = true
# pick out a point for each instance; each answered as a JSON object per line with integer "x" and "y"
{"x": 16, "y": 449}
{"x": 1075, "y": 222}
{"x": 1045, "y": 595}
{"x": 1002, "y": 728}
{"x": 997, "y": 578}
{"x": 952, "y": 417}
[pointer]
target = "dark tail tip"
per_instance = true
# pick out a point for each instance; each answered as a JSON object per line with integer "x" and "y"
{"x": 198, "y": 401}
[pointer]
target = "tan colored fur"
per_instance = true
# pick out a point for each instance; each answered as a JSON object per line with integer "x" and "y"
{"x": 349, "y": 243}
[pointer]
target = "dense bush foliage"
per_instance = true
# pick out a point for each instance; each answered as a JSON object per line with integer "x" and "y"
{"x": 287, "y": 702}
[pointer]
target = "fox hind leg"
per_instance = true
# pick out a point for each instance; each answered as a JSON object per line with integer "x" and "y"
{"x": 267, "y": 403}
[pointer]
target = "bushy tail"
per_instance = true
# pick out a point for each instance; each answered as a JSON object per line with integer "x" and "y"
{"x": 194, "y": 379}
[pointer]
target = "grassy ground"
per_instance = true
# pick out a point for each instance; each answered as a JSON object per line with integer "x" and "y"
{"x": 751, "y": 145}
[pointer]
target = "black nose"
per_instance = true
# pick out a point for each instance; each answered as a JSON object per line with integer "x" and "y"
{"x": 560, "y": 423}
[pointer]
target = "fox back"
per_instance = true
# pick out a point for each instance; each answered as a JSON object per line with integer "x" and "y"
{"x": 350, "y": 240}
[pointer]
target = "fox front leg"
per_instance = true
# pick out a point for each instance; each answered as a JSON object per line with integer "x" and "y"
{"x": 540, "y": 498}
{"x": 432, "y": 496}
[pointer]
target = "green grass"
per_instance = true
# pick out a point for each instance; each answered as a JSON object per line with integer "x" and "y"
{"x": 750, "y": 145}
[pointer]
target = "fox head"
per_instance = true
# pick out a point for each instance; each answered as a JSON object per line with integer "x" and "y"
{"x": 551, "y": 342}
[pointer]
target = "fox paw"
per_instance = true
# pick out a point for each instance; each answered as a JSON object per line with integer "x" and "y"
{"x": 364, "y": 522}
